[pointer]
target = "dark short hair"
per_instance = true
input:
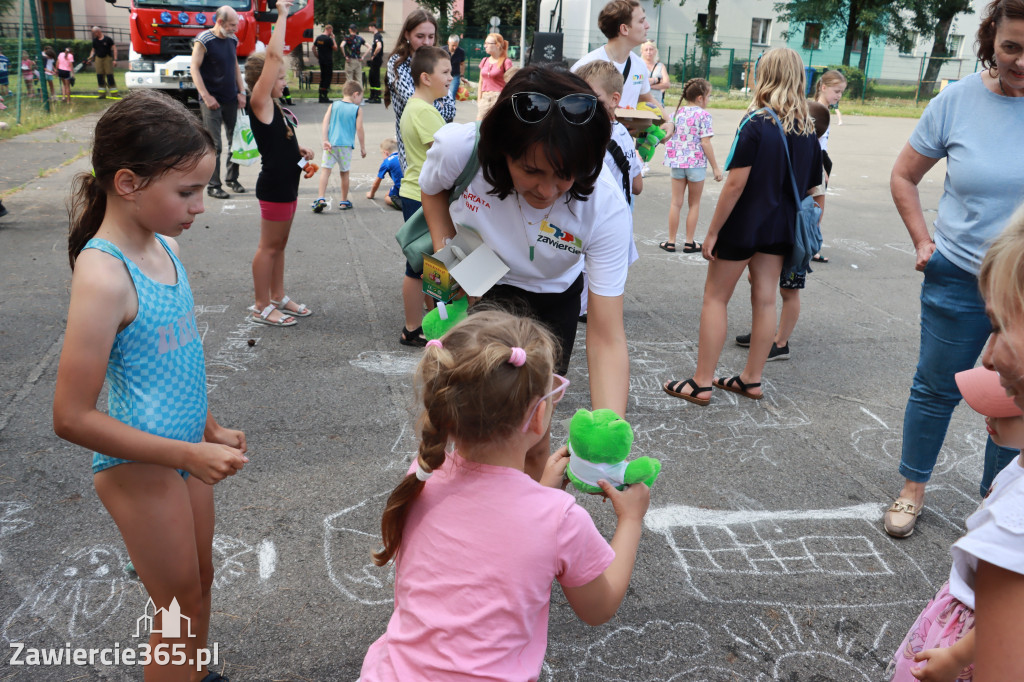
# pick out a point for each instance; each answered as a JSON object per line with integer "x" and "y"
{"x": 995, "y": 13}
{"x": 576, "y": 151}
{"x": 820, "y": 116}
{"x": 615, "y": 14}
{"x": 425, "y": 59}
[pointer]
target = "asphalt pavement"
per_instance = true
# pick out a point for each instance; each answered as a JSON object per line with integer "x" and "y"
{"x": 763, "y": 556}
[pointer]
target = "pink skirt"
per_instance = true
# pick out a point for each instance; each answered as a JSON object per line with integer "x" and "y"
{"x": 944, "y": 622}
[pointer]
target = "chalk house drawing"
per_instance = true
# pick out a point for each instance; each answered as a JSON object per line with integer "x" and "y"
{"x": 788, "y": 555}
{"x": 74, "y": 598}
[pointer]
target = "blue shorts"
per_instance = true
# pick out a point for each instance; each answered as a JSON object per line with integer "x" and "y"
{"x": 690, "y": 174}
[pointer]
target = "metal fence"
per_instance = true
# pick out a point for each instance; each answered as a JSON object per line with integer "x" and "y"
{"x": 78, "y": 31}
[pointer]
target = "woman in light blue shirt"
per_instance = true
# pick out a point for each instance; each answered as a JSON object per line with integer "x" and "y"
{"x": 975, "y": 124}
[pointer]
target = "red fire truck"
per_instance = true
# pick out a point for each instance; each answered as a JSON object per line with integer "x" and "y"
{"x": 162, "y": 32}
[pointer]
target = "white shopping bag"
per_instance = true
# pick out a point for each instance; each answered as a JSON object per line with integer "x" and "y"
{"x": 243, "y": 143}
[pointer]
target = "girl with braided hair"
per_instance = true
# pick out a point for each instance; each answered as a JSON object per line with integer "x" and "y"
{"x": 476, "y": 542}
{"x": 687, "y": 153}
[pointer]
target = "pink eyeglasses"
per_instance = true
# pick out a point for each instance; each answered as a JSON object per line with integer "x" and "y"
{"x": 555, "y": 394}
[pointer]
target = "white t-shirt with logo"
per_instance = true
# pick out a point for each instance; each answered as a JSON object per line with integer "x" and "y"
{"x": 636, "y": 82}
{"x": 543, "y": 255}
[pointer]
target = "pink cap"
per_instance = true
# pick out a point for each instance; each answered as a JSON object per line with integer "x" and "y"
{"x": 981, "y": 389}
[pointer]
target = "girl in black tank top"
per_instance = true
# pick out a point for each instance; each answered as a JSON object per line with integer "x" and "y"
{"x": 278, "y": 185}
{"x": 279, "y": 155}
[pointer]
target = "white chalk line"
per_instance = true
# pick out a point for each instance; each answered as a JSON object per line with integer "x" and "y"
{"x": 30, "y": 381}
{"x": 672, "y": 516}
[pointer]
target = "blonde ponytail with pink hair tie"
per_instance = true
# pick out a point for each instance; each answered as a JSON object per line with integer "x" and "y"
{"x": 518, "y": 357}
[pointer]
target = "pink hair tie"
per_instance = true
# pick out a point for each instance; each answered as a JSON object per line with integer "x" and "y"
{"x": 518, "y": 357}
{"x": 434, "y": 343}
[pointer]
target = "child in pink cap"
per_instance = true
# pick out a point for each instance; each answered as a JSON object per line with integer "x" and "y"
{"x": 940, "y": 644}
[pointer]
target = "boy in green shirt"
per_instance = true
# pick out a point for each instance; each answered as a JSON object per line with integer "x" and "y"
{"x": 432, "y": 74}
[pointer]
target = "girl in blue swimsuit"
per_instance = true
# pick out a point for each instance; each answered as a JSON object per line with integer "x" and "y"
{"x": 157, "y": 451}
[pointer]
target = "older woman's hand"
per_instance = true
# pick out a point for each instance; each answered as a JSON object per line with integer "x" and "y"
{"x": 924, "y": 252}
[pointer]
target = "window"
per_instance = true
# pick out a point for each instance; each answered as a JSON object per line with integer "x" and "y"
{"x": 761, "y": 31}
{"x": 953, "y": 45}
{"x": 812, "y": 36}
{"x": 909, "y": 48}
{"x": 702, "y": 21}
{"x": 373, "y": 11}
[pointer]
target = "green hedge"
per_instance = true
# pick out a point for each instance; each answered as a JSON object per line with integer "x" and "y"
{"x": 855, "y": 80}
{"x": 9, "y": 46}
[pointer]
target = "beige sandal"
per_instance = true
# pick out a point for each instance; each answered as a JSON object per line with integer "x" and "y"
{"x": 901, "y": 517}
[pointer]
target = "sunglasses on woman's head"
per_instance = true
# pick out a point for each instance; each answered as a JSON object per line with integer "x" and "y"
{"x": 534, "y": 107}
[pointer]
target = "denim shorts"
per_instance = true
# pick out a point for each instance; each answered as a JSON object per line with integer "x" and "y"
{"x": 690, "y": 174}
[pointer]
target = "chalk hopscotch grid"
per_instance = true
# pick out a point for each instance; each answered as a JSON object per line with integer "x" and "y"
{"x": 730, "y": 553}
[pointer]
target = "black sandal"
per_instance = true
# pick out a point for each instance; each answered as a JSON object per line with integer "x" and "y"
{"x": 736, "y": 385}
{"x": 413, "y": 338}
{"x": 668, "y": 246}
{"x": 691, "y": 247}
{"x": 818, "y": 258}
{"x": 672, "y": 388}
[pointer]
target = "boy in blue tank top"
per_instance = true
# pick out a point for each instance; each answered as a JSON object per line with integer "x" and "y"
{"x": 343, "y": 123}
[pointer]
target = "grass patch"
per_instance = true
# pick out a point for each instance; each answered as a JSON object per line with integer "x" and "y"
{"x": 897, "y": 107}
{"x": 35, "y": 117}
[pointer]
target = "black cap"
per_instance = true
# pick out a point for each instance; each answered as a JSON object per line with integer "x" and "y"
{"x": 353, "y": 27}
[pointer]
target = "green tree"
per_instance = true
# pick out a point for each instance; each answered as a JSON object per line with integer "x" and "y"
{"x": 479, "y": 13}
{"x": 337, "y": 13}
{"x": 442, "y": 9}
{"x": 706, "y": 37}
{"x": 854, "y": 20}
{"x": 935, "y": 18}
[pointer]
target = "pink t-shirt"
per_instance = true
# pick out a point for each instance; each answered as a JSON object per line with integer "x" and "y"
{"x": 480, "y": 548}
{"x": 492, "y": 76}
{"x": 65, "y": 61}
{"x": 683, "y": 149}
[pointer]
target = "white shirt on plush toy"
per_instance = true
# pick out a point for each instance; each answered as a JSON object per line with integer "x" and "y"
{"x": 592, "y": 472}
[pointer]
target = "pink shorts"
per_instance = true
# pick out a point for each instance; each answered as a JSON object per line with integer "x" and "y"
{"x": 277, "y": 211}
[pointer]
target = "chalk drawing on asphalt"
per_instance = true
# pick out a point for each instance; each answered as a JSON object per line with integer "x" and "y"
{"x": 11, "y": 521}
{"x": 234, "y": 559}
{"x": 384, "y": 362}
{"x": 788, "y": 556}
{"x": 74, "y": 598}
{"x": 353, "y": 534}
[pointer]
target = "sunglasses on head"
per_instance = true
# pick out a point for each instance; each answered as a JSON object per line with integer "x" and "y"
{"x": 533, "y": 107}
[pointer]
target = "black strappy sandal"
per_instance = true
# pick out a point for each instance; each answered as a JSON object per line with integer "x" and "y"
{"x": 736, "y": 385}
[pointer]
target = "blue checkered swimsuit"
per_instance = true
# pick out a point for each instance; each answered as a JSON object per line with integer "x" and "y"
{"x": 156, "y": 375}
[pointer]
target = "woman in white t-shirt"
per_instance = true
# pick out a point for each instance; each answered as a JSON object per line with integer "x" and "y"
{"x": 544, "y": 202}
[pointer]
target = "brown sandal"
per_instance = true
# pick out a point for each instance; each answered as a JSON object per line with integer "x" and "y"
{"x": 672, "y": 388}
{"x": 736, "y": 385}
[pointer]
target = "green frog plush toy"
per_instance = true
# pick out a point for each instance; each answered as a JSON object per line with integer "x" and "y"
{"x": 434, "y": 327}
{"x": 599, "y": 443}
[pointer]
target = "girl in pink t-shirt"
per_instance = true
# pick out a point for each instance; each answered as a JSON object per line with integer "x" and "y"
{"x": 493, "y": 68}
{"x": 688, "y": 152}
{"x": 476, "y": 542}
{"x": 28, "y": 72}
